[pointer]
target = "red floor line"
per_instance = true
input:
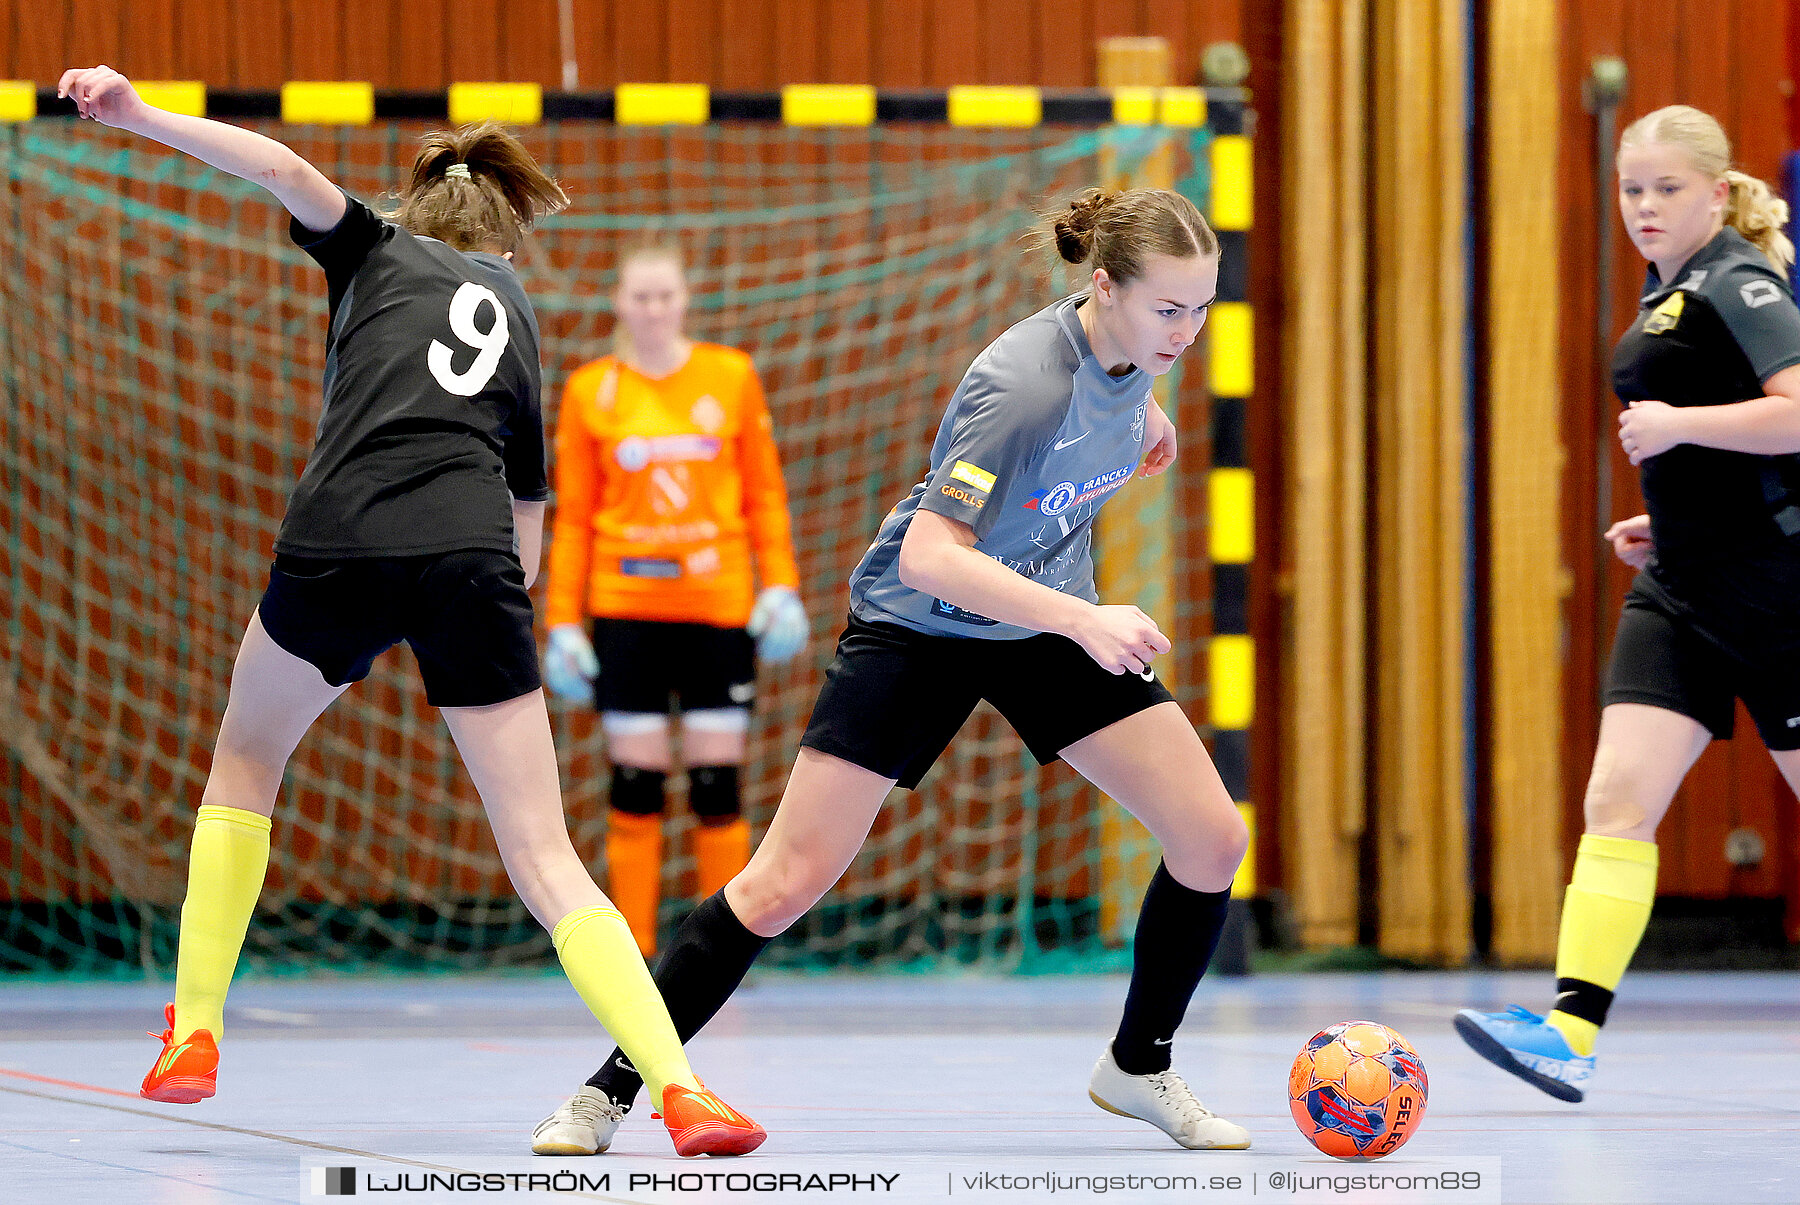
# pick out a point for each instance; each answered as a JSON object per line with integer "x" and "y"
{"x": 65, "y": 1083}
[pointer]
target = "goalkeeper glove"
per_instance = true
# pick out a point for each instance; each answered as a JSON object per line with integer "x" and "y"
{"x": 778, "y": 622}
{"x": 570, "y": 666}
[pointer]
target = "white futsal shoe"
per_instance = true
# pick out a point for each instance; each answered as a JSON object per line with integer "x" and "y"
{"x": 582, "y": 1125}
{"x": 1164, "y": 1100}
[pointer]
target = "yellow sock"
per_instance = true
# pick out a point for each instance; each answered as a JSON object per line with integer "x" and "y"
{"x": 1604, "y": 913}
{"x": 634, "y": 850}
{"x": 601, "y": 960}
{"x": 720, "y": 852}
{"x": 226, "y": 866}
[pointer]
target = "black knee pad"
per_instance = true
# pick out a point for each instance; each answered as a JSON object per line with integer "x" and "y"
{"x": 637, "y": 790}
{"x": 713, "y": 793}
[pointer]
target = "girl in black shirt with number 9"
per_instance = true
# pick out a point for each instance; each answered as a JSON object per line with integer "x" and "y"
{"x": 1710, "y": 377}
{"x": 419, "y": 518}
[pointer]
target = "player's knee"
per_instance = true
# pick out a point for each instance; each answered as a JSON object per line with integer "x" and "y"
{"x": 1614, "y": 803}
{"x": 247, "y": 765}
{"x": 768, "y": 899}
{"x": 637, "y": 790}
{"x": 715, "y": 794}
{"x": 1234, "y": 839}
{"x": 1207, "y": 856}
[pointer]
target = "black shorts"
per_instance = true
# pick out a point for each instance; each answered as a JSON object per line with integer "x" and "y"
{"x": 1658, "y": 658}
{"x": 646, "y": 664}
{"x": 893, "y": 697}
{"x": 465, "y": 614}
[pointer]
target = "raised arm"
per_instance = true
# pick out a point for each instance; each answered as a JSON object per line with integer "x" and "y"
{"x": 103, "y": 95}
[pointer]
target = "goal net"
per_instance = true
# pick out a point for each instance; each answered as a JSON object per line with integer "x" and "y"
{"x": 161, "y": 346}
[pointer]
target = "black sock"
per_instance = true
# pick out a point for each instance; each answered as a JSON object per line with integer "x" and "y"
{"x": 1176, "y": 933}
{"x": 709, "y": 957}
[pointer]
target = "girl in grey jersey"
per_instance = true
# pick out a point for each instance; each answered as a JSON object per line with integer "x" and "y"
{"x": 1037, "y": 437}
{"x": 428, "y": 339}
{"x": 979, "y": 585}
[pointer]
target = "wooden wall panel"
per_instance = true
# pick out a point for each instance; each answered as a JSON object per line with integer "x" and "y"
{"x": 592, "y": 28}
{"x": 746, "y": 45}
{"x": 694, "y": 36}
{"x": 1065, "y": 46}
{"x": 1210, "y": 21}
{"x": 533, "y": 48}
{"x": 1417, "y": 401}
{"x": 850, "y": 41}
{"x": 472, "y": 48}
{"x": 205, "y": 58}
{"x": 369, "y": 42}
{"x": 729, "y": 44}
{"x": 152, "y": 30}
{"x": 953, "y": 42}
{"x": 1324, "y": 792}
{"x": 1586, "y": 410}
{"x": 1762, "y": 60}
{"x": 640, "y": 44}
{"x": 259, "y": 36}
{"x": 1009, "y": 28}
{"x": 41, "y": 43}
{"x": 1116, "y": 19}
{"x": 97, "y": 38}
{"x": 800, "y": 43}
{"x": 1524, "y": 663}
{"x": 316, "y": 40}
{"x": 900, "y": 44}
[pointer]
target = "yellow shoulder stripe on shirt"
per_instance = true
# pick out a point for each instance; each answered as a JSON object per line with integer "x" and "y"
{"x": 980, "y": 478}
{"x": 1666, "y": 315}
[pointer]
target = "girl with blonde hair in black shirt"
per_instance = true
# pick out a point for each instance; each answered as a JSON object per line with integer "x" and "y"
{"x": 1710, "y": 377}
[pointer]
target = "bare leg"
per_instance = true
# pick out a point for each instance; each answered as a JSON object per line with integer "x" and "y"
{"x": 1643, "y": 754}
{"x": 1154, "y": 764}
{"x": 509, "y": 753}
{"x": 824, "y": 818}
{"x": 275, "y": 696}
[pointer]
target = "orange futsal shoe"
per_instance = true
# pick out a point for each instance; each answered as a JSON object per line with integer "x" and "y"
{"x": 187, "y": 1071}
{"x": 702, "y": 1124}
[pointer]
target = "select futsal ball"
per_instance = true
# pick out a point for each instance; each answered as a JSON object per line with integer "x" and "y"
{"x": 1357, "y": 1090}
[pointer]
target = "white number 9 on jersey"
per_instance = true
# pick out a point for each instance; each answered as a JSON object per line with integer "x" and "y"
{"x": 489, "y": 343}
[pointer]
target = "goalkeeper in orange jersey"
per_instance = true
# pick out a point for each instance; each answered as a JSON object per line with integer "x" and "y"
{"x": 418, "y": 518}
{"x": 668, "y": 486}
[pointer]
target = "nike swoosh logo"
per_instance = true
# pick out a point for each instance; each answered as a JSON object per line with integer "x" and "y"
{"x": 1162, "y": 1041}
{"x": 622, "y": 1065}
{"x": 1066, "y": 443}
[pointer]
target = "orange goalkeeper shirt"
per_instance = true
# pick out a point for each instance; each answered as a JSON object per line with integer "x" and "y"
{"x": 664, "y": 489}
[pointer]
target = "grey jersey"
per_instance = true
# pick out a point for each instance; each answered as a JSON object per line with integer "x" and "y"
{"x": 1037, "y": 437}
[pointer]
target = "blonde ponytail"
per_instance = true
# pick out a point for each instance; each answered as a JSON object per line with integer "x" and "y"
{"x": 1759, "y": 215}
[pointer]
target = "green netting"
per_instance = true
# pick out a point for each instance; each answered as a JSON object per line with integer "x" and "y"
{"x": 160, "y": 352}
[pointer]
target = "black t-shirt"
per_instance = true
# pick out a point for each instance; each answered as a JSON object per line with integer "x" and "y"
{"x": 432, "y": 399}
{"x": 1727, "y": 325}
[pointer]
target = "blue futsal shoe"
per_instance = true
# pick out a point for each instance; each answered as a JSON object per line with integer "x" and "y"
{"x": 1520, "y": 1041}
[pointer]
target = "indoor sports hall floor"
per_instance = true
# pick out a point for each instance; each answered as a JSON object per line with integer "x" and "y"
{"x": 946, "y": 1083}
